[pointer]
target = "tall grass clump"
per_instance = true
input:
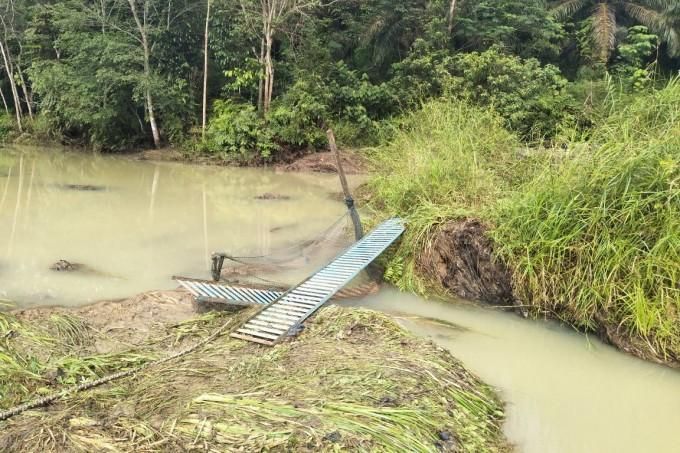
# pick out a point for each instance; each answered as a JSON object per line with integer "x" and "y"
{"x": 447, "y": 161}
{"x": 596, "y": 240}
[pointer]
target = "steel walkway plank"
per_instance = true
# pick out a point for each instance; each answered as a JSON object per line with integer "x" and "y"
{"x": 296, "y": 305}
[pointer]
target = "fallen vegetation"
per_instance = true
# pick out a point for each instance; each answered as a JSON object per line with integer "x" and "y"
{"x": 353, "y": 380}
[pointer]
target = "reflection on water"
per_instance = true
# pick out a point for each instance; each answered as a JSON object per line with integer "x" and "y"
{"x": 135, "y": 224}
{"x": 566, "y": 393}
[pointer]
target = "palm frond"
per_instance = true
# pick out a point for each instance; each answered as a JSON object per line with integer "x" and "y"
{"x": 567, "y": 8}
{"x": 660, "y": 23}
{"x": 604, "y": 30}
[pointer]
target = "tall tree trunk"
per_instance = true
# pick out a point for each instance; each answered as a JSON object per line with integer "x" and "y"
{"x": 260, "y": 88}
{"x": 27, "y": 95}
{"x": 452, "y": 11}
{"x": 205, "y": 69}
{"x": 147, "y": 72}
{"x": 4, "y": 101}
{"x": 10, "y": 75}
{"x": 268, "y": 72}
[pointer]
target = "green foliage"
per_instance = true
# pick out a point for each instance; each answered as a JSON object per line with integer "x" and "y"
{"x": 608, "y": 219}
{"x": 440, "y": 167}
{"x": 635, "y": 58}
{"x": 298, "y": 117}
{"x": 237, "y": 132}
{"x": 7, "y": 127}
{"x": 522, "y": 27}
{"x": 531, "y": 98}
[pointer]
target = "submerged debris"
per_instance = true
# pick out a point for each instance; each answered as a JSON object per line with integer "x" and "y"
{"x": 272, "y": 196}
{"x": 81, "y": 187}
{"x": 325, "y": 390}
{"x": 65, "y": 266}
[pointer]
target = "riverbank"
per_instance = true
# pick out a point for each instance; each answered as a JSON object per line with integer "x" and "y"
{"x": 353, "y": 379}
{"x": 586, "y": 233}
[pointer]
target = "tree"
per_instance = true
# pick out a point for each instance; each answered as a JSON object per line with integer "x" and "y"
{"x": 151, "y": 17}
{"x": 605, "y": 16}
{"x": 272, "y": 16}
{"x": 205, "y": 69}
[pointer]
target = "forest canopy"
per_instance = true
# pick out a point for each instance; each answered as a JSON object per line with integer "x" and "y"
{"x": 252, "y": 79}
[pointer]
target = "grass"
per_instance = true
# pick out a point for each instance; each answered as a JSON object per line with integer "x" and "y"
{"x": 354, "y": 380}
{"x": 590, "y": 232}
{"x": 596, "y": 240}
{"x": 447, "y": 161}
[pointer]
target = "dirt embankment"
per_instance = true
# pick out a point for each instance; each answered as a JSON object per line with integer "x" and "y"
{"x": 326, "y": 162}
{"x": 352, "y": 380}
{"x": 462, "y": 261}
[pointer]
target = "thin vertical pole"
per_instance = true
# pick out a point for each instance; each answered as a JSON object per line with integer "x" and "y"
{"x": 349, "y": 201}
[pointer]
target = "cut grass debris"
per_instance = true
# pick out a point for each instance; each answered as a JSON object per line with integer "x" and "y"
{"x": 353, "y": 380}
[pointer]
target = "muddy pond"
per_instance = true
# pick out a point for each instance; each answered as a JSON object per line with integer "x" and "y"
{"x": 131, "y": 225}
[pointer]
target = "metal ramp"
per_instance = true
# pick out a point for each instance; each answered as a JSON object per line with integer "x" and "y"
{"x": 284, "y": 315}
{"x": 236, "y": 295}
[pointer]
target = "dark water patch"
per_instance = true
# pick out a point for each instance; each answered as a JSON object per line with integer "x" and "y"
{"x": 272, "y": 196}
{"x": 81, "y": 187}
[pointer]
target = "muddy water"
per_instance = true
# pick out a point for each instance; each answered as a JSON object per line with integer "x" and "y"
{"x": 135, "y": 224}
{"x": 566, "y": 393}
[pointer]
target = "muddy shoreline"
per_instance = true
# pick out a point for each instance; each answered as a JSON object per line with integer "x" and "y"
{"x": 462, "y": 261}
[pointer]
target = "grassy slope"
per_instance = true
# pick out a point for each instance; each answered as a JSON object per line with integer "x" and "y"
{"x": 596, "y": 241}
{"x": 353, "y": 380}
{"x": 447, "y": 161}
{"x": 593, "y": 236}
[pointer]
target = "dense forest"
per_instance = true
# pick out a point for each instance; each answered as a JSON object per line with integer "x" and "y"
{"x": 255, "y": 80}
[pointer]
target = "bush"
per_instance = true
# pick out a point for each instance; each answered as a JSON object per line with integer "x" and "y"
{"x": 531, "y": 98}
{"x": 237, "y": 132}
{"x": 6, "y": 127}
{"x": 596, "y": 241}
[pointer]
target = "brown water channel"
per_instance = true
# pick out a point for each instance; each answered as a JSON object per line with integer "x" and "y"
{"x": 135, "y": 224}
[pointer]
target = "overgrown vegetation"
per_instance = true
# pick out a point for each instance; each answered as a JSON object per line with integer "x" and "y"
{"x": 596, "y": 239}
{"x": 354, "y": 380}
{"x": 590, "y": 230}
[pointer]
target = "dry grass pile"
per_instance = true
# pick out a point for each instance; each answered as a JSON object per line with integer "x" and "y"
{"x": 353, "y": 380}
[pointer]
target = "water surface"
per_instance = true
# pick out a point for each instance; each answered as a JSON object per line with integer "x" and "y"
{"x": 136, "y": 224}
{"x": 565, "y": 392}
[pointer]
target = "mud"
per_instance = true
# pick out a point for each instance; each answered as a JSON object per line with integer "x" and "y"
{"x": 325, "y": 162}
{"x": 462, "y": 260}
{"x": 134, "y": 319}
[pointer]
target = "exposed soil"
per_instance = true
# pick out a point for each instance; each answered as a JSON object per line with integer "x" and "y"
{"x": 461, "y": 259}
{"x": 325, "y": 162}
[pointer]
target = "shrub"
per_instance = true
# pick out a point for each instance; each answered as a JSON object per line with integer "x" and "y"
{"x": 6, "y": 127}
{"x": 237, "y": 132}
{"x": 531, "y": 98}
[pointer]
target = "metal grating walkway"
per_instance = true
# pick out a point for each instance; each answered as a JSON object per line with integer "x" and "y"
{"x": 208, "y": 292}
{"x": 291, "y": 309}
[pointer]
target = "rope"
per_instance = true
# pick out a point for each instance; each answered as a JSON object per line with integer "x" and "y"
{"x": 49, "y": 399}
